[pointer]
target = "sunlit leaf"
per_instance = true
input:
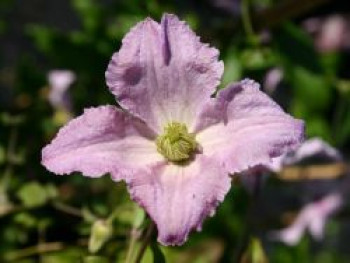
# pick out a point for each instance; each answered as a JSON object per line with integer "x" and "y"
{"x": 255, "y": 253}
{"x": 33, "y": 194}
{"x": 95, "y": 259}
{"x": 101, "y": 231}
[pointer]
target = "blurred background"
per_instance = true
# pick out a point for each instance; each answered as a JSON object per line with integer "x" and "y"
{"x": 52, "y": 63}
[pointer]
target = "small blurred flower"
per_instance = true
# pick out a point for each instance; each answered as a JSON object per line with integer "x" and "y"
{"x": 60, "y": 82}
{"x": 313, "y": 218}
{"x": 331, "y": 33}
{"x": 176, "y": 145}
{"x": 272, "y": 78}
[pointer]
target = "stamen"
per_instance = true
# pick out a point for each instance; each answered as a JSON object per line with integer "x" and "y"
{"x": 176, "y": 143}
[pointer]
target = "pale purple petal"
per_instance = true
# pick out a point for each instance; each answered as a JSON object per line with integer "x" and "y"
{"x": 179, "y": 197}
{"x": 323, "y": 209}
{"x": 163, "y": 72}
{"x": 313, "y": 148}
{"x": 333, "y": 34}
{"x": 290, "y": 235}
{"x": 276, "y": 165}
{"x": 61, "y": 79}
{"x": 313, "y": 217}
{"x": 329, "y": 33}
{"x": 312, "y": 25}
{"x": 102, "y": 140}
{"x": 272, "y": 79}
{"x": 243, "y": 127}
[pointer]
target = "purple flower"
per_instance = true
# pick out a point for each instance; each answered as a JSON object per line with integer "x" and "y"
{"x": 173, "y": 144}
{"x": 330, "y": 33}
{"x": 60, "y": 81}
{"x": 312, "y": 217}
{"x": 272, "y": 79}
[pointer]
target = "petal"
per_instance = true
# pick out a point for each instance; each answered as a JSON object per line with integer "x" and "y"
{"x": 290, "y": 235}
{"x": 102, "y": 140}
{"x": 163, "y": 73}
{"x": 178, "y": 198}
{"x": 313, "y": 150}
{"x": 243, "y": 128}
{"x": 312, "y": 216}
{"x": 322, "y": 210}
{"x": 60, "y": 82}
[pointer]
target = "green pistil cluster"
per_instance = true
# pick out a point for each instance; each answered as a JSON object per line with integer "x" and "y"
{"x": 176, "y": 143}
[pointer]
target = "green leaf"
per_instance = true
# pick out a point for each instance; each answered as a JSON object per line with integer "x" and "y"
{"x": 257, "y": 58}
{"x": 26, "y": 219}
{"x": 343, "y": 86}
{"x": 11, "y": 120}
{"x": 233, "y": 68}
{"x": 311, "y": 89}
{"x": 88, "y": 215}
{"x": 43, "y": 37}
{"x": 68, "y": 255}
{"x": 89, "y": 12}
{"x": 51, "y": 191}
{"x": 158, "y": 256}
{"x": 33, "y": 194}
{"x": 317, "y": 126}
{"x": 2, "y": 154}
{"x": 139, "y": 217}
{"x": 95, "y": 259}
{"x": 296, "y": 48}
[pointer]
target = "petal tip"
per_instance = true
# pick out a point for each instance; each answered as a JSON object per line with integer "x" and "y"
{"x": 172, "y": 240}
{"x": 250, "y": 83}
{"x": 165, "y": 45}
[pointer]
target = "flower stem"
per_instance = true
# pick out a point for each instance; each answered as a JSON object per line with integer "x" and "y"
{"x": 10, "y": 158}
{"x": 247, "y": 23}
{"x": 145, "y": 242}
{"x": 249, "y": 219}
{"x": 67, "y": 209}
{"x": 30, "y": 251}
{"x": 135, "y": 233}
{"x": 133, "y": 237}
{"x": 5, "y": 181}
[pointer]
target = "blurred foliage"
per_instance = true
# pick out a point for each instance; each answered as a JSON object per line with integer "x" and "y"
{"x": 46, "y": 218}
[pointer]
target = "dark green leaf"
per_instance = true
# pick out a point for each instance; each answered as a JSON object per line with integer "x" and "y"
{"x": 158, "y": 256}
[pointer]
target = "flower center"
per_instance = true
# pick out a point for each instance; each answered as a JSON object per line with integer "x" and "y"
{"x": 176, "y": 143}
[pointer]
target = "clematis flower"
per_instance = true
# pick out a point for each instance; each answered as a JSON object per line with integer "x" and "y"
{"x": 172, "y": 143}
{"x": 330, "y": 33}
{"x": 313, "y": 217}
